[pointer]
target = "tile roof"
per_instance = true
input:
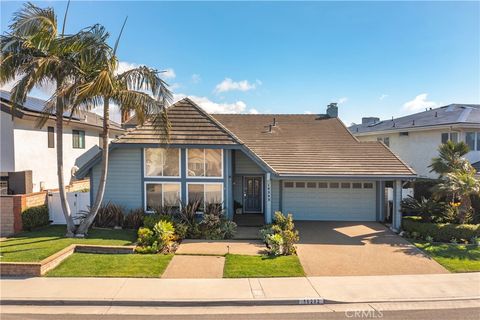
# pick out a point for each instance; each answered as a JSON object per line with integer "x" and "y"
{"x": 189, "y": 125}
{"x": 311, "y": 145}
{"x": 447, "y": 115}
{"x": 34, "y": 107}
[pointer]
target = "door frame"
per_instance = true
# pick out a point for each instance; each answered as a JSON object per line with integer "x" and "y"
{"x": 261, "y": 192}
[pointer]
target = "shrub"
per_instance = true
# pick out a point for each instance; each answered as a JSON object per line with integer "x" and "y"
{"x": 181, "y": 230}
{"x": 229, "y": 228}
{"x": 147, "y": 249}
{"x": 440, "y": 232}
{"x": 134, "y": 219}
{"x": 429, "y": 209}
{"x": 109, "y": 215}
{"x": 146, "y": 237}
{"x": 274, "y": 244}
{"x": 35, "y": 217}
{"x": 150, "y": 220}
{"x": 283, "y": 227}
{"x": 429, "y": 239}
{"x": 165, "y": 233}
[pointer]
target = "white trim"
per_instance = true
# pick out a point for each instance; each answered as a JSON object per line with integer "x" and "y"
{"x": 457, "y": 126}
{"x": 221, "y": 183}
{"x": 162, "y": 183}
{"x": 145, "y": 164}
{"x": 204, "y": 165}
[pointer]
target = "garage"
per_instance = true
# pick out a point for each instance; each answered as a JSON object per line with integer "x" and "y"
{"x": 330, "y": 200}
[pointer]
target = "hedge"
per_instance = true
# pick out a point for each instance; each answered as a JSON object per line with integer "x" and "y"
{"x": 35, "y": 217}
{"x": 441, "y": 232}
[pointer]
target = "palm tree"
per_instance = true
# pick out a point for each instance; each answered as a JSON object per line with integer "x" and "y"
{"x": 460, "y": 185}
{"x": 34, "y": 50}
{"x": 128, "y": 91}
{"x": 450, "y": 158}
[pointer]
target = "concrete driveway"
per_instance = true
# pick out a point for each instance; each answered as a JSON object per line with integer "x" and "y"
{"x": 333, "y": 248}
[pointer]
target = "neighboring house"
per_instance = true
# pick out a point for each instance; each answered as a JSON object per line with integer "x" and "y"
{"x": 415, "y": 138}
{"x": 28, "y": 154}
{"x": 309, "y": 165}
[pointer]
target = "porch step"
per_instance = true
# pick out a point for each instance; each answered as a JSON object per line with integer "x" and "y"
{"x": 247, "y": 233}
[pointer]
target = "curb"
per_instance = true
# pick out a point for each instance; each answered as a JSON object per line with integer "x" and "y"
{"x": 212, "y": 303}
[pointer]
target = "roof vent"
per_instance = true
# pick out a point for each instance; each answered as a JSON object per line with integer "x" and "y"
{"x": 332, "y": 110}
{"x": 436, "y": 114}
{"x": 413, "y": 122}
{"x": 270, "y": 128}
{"x": 274, "y": 122}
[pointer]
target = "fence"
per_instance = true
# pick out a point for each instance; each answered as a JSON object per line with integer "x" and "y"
{"x": 78, "y": 202}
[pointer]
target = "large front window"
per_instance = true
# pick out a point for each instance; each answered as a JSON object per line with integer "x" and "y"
{"x": 472, "y": 139}
{"x": 205, "y": 163}
{"x": 160, "y": 195}
{"x": 162, "y": 162}
{"x": 206, "y": 193}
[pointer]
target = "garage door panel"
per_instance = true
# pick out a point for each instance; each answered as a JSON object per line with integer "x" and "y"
{"x": 330, "y": 204}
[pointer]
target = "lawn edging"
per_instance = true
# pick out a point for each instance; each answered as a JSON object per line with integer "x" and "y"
{"x": 37, "y": 269}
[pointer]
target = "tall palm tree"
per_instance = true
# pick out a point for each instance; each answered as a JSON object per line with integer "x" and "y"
{"x": 35, "y": 51}
{"x": 139, "y": 90}
{"x": 450, "y": 158}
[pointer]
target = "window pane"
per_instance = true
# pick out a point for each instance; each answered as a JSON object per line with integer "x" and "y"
{"x": 154, "y": 196}
{"x": 368, "y": 185}
{"x": 345, "y": 185}
{"x": 171, "y": 195}
{"x": 334, "y": 185}
{"x": 195, "y": 192}
{"x": 357, "y": 185}
{"x": 288, "y": 184}
{"x": 478, "y": 141}
{"x": 323, "y": 185}
{"x": 170, "y": 162}
{"x": 213, "y": 159}
{"x": 196, "y": 163}
{"x": 470, "y": 140}
{"x": 299, "y": 184}
{"x": 444, "y": 137}
{"x": 154, "y": 161}
{"x": 213, "y": 193}
{"x": 311, "y": 184}
{"x": 454, "y": 137}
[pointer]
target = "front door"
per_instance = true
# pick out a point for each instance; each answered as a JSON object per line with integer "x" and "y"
{"x": 253, "y": 194}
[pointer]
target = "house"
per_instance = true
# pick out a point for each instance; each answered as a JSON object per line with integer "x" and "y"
{"x": 309, "y": 165}
{"x": 28, "y": 154}
{"x": 415, "y": 138}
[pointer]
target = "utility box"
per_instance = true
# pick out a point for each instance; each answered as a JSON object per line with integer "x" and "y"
{"x": 20, "y": 182}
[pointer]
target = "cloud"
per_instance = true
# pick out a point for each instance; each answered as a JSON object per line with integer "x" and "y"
{"x": 196, "y": 78}
{"x": 342, "y": 100}
{"x": 229, "y": 85}
{"x": 253, "y": 111}
{"x": 168, "y": 73}
{"x": 308, "y": 112}
{"x": 383, "y": 96}
{"x": 419, "y": 103}
{"x": 214, "y": 107}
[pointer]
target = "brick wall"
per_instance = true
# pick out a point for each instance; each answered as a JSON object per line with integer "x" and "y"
{"x": 6, "y": 216}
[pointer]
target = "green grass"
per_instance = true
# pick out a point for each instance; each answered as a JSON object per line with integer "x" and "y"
{"x": 456, "y": 258}
{"x": 240, "y": 266}
{"x": 37, "y": 245}
{"x": 112, "y": 265}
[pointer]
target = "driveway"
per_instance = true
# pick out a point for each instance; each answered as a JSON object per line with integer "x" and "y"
{"x": 333, "y": 248}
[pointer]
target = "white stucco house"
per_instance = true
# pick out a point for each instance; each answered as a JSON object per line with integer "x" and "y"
{"x": 25, "y": 148}
{"x": 415, "y": 138}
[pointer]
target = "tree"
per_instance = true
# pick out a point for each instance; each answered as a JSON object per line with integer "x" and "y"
{"x": 140, "y": 90}
{"x": 35, "y": 51}
{"x": 460, "y": 185}
{"x": 450, "y": 158}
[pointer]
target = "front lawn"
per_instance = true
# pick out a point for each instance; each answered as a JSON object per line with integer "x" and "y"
{"x": 39, "y": 244}
{"x": 112, "y": 265}
{"x": 456, "y": 258}
{"x": 240, "y": 266}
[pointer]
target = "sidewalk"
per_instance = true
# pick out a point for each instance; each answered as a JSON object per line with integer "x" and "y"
{"x": 261, "y": 291}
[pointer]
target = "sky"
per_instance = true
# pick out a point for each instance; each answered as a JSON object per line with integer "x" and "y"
{"x": 379, "y": 59}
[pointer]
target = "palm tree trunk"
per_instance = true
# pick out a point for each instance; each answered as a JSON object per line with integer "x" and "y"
{"x": 87, "y": 222}
{"x": 61, "y": 182}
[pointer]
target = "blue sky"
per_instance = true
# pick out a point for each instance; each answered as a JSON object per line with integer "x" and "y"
{"x": 374, "y": 58}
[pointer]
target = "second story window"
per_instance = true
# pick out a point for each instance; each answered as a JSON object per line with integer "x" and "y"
{"x": 78, "y": 139}
{"x": 472, "y": 139}
{"x": 205, "y": 163}
{"x": 162, "y": 162}
{"x": 51, "y": 137}
{"x": 452, "y": 136}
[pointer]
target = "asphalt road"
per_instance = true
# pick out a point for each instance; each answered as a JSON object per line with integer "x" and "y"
{"x": 435, "y": 314}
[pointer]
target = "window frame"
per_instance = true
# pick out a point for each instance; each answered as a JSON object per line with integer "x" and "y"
{"x": 51, "y": 135}
{"x": 160, "y": 177}
{"x": 76, "y": 132}
{"x": 205, "y": 183}
{"x": 204, "y": 164}
{"x": 449, "y": 135}
{"x": 162, "y": 183}
{"x": 476, "y": 140}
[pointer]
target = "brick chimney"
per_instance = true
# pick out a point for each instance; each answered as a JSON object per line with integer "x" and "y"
{"x": 332, "y": 110}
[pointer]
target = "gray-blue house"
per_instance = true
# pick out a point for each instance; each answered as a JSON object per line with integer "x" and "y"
{"x": 308, "y": 165}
